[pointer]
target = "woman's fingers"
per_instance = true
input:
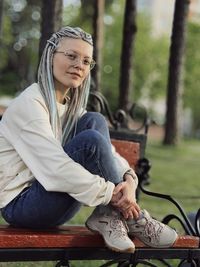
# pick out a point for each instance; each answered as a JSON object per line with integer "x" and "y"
{"x": 118, "y": 188}
{"x": 124, "y": 200}
{"x": 131, "y": 213}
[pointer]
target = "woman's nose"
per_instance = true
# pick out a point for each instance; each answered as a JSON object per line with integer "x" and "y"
{"x": 79, "y": 63}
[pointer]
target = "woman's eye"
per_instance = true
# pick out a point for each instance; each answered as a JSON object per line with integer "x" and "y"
{"x": 71, "y": 56}
{"x": 86, "y": 62}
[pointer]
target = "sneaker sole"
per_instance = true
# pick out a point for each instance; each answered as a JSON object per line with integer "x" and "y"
{"x": 128, "y": 250}
{"x": 154, "y": 246}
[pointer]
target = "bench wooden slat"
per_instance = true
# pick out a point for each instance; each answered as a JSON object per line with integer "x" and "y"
{"x": 68, "y": 236}
{"x": 129, "y": 150}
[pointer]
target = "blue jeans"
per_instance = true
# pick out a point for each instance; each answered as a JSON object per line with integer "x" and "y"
{"x": 35, "y": 207}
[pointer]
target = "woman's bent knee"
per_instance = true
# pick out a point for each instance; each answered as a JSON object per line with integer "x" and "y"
{"x": 93, "y": 137}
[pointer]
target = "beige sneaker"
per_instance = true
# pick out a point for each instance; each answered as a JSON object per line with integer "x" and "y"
{"x": 151, "y": 232}
{"x": 107, "y": 221}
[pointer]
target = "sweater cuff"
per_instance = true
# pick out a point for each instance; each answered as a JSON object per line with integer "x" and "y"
{"x": 109, "y": 193}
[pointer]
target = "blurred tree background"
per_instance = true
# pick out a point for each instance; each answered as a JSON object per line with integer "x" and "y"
{"x": 19, "y": 49}
{"x": 19, "y": 44}
{"x": 192, "y": 77}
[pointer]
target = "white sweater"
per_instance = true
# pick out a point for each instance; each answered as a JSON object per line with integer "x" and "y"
{"x": 29, "y": 151}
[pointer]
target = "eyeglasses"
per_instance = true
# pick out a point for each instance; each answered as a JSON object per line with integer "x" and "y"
{"x": 75, "y": 58}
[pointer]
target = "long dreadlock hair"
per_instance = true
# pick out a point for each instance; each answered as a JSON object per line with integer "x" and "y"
{"x": 78, "y": 97}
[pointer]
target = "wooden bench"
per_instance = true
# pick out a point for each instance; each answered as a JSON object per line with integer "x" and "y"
{"x": 68, "y": 243}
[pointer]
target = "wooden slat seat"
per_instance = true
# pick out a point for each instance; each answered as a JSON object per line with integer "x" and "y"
{"x": 68, "y": 236}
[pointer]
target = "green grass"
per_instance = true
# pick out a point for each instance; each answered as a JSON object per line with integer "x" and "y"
{"x": 175, "y": 171}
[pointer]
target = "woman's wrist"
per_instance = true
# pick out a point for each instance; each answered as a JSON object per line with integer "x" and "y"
{"x": 130, "y": 174}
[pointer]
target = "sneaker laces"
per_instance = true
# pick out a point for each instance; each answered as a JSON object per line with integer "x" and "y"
{"x": 152, "y": 230}
{"x": 119, "y": 226}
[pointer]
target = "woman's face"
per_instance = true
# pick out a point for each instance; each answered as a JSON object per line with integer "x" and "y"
{"x": 71, "y": 63}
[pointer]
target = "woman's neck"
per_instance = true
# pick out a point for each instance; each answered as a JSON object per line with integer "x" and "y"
{"x": 61, "y": 95}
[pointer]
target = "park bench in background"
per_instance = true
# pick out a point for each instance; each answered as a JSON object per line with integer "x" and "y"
{"x": 68, "y": 243}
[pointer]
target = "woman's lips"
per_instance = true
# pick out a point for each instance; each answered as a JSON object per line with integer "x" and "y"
{"x": 75, "y": 74}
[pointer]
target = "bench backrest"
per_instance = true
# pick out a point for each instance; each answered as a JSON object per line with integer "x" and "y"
{"x": 129, "y": 145}
{"x": 129, "y": 150}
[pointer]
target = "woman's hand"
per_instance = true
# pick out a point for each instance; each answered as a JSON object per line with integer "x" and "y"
{"x": 124, "y": 198}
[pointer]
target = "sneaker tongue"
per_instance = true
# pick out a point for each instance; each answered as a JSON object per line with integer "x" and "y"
{"x": 141, "y": 219}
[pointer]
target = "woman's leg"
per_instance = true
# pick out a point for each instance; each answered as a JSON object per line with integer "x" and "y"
{"x": 36, "y": 207}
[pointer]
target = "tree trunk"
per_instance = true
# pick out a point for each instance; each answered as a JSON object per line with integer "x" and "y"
{"x": 174, "y": 87}
{"x": 98, "y": 35}
{"x": 129, "y": 31}
{"x": 51, "y": 20}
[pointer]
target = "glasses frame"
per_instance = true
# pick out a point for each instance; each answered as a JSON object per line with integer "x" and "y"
{"x": 66, "y": 53}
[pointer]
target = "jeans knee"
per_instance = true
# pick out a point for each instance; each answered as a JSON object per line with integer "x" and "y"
{"x": 96, "y": 118}
{"x": 96, "y": 145}
{"x": 94, "y": 137}
{"x": 95, "y": 142}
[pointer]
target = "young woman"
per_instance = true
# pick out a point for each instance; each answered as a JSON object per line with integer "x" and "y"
{"x": 55, "y": 156}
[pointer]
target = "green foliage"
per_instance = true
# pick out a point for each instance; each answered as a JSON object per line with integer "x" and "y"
{"x": 5, "y": 42}
{"x": 150, "y": 57}
{"x": 150, "y": 61}
{"x": 192, "y": 70}
{"x": 9, "y": 87}
{"x": 112, "y": 51}
{"x": 19, "y": 45}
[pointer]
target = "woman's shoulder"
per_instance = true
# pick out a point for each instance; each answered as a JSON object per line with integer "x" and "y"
{"x": 30, "y": 96}
{"x": 32, "y": 92}
{"x": 28, "y": 103}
